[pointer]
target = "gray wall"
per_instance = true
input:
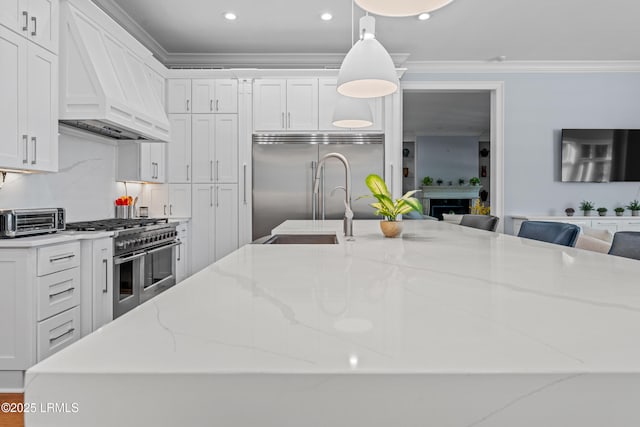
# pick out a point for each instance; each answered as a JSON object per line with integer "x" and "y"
{"x": 537, "y": 107}
{"x": 447, "y": 157}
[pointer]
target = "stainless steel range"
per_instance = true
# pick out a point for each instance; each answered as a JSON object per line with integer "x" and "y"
{"x": 144, "y": 261}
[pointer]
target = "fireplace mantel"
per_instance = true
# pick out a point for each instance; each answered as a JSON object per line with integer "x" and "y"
{"x": 471, "y": 192}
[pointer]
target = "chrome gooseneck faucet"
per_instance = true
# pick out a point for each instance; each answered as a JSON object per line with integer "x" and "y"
{"x": 348, "y": 213}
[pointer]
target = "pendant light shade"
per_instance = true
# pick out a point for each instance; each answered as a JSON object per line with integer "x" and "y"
{"x": 352, "y": 113}
{"x": 401, "y": 7}
{"x": 367, "y": 71}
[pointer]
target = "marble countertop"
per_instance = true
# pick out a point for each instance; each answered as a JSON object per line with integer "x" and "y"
{"x": 441, "y": 300}
{"x": 52, "y": 238}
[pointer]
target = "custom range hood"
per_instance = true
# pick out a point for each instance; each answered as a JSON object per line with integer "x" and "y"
{"x": 105, "y": 86}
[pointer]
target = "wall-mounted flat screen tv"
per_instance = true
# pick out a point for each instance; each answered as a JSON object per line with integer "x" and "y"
{"x": 600, "y": 155}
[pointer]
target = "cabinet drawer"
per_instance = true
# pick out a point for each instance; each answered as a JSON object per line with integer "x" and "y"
{"x": 58, "y": 292}
{"x": 57, "y": 332}
{"x": 52, "y": 259}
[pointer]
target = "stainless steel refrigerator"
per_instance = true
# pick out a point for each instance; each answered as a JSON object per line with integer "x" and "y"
{"x": 284, "y": 167}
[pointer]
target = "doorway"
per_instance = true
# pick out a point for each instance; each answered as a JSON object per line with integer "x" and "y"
{"x": 489, "y": 145}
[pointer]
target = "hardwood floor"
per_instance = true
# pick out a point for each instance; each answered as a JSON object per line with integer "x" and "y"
{"x": 11, "y": 419}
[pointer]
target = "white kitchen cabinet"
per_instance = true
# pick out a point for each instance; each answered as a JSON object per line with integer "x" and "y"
{"x": 630, "y": 225}
{"x": 29, "y": 111}
{"x": 215, "y": 96}
{"x": 215, "y": 148}
{"x": 171, "y": 200}
{"x": 226, "y": 219}
{"x": 17, "y": 310}
{"x": 35, "y": 20}
{"x": 183, "y": 266}
{"x": 327, "y": 98}
{"x": 141, "y": 162}
{"x": 214, "y": 223}
{"x": 604, "y": 224}
{"x": 285, "y": 105}
{"x": 179, "y": 149}
{"x": 179, "y": 96}
{"x": 96, "y": 272}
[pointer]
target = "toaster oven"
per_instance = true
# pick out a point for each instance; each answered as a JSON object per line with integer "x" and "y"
{"x": 28, "y": 222}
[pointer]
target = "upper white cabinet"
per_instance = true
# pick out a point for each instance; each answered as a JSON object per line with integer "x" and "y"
{"x": 172, "y": 200}
{"x": 289, "y": 105}
{"x": 327, "y": 98}
{"x": 215, "y": 148}
{"x": 29, "y": 108}
{"x": 141, "y": 162}
{"x": 36, "y": 20}
{"x": 215, "y": 95}
{"x": 179, "y": 149}
{"x": 179, "y": 96}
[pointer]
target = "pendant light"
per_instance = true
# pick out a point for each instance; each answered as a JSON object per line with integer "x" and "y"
{"x": 401, "y": 7}
{"x": 367, "y": 71}
{"x": 352, "y": 113}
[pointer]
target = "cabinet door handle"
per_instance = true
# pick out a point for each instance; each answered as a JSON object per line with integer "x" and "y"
{"x": 211, "y": 105}
{"x": 289, "y": 120}
{"x": 217, "y": 105}
{"x": 187, "y": 105}
{"x": 164, "y": 209}
{"x": 211, "y": 196}
{"x": 25, "y": 139}
{"x": 35, "y": 153}
{"x": 106, "y": 276}
{"x": 244, "y": 180}
{"x": 62, "y": 258}
{"x": 170, "y": 209}
{"x": 211, "y": 170}
{"x": 187, "y": 172}
{"x": 70, "y": 331}
{"x": 26, "y": 20}
{"x": 217, "y": 170}
{"x": 35, "y": 25}
{"x": 217, "y": 196}
{"x": 179, "y": 252}
{"x": 71, "y": 289}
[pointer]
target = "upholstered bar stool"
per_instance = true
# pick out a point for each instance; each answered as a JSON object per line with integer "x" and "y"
{"x": 482, "y": 222}
{"x": 558, "y": 233}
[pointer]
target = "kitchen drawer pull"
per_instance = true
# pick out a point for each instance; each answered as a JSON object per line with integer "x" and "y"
{"x": 35, "y": 25}
{"x": 187, "y": 105}
{"x": 179, "y": 252}
{"x": 187, "y": 172}
{"x": 70, "y": 331}
{"x": 62, "y": 257}
{"x": 106, "y": 276}
{"x": 217, "y": 170}
{"x": 217, "y": 105}
{"x": 211, "y": 105}
{"x": 35, "y": 153}
{"x": 25, "y": 139}
{"x": 61, "y": 292}
{"x": 211, "y": 169}
{"x": 26, "y": 20}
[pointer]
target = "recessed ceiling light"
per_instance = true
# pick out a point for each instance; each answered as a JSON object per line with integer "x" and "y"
{"x": 326, "y": 16}
{"x": 424, "y": 16}
{"x": 230, "y": 16}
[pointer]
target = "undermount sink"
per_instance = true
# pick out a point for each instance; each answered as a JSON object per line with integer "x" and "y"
{"x": 302, "y": 239}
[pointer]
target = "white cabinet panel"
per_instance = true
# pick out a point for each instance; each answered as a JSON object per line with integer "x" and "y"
{"x": 604, "y": 224}
{"x": 226, "y": 96}
{"x": 269, "y": 104}
{"x": 57, "y": 332}
{"x": 11, "y": 15}
{"x": 43, "y": 23}
{"x": 13, "y": 92}
{"x": 141, "y": 162}
{"x": 42, "y": 109}
{"x": 630, "y": 225}
{"x": 202, "y": 227}
{"x": 183, "y": 265}
{"x": 203, "y": 135}
{"x": 57, "y": 292}
{"x": 203, "y": 91}
{"x": 54, "y": 258}
{"x": 179, "y": 149}
{"x": 179, "y": 96}
{"x": 302, "y": 104}
{"x": 102, "y": 282}
{"x": 226, "y": 148}
{"x": 179, "y": 200}
{"x": 226, "y": 219}
{"x": 157, "y": 199}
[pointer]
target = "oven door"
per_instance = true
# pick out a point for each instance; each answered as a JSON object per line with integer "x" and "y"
{"x": 159, "y": 271}
{"x": 127, "y": 277}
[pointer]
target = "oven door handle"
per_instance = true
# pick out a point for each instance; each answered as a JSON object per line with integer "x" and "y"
{"x": 118, "y": 260}
{"x": 161, "y": 248}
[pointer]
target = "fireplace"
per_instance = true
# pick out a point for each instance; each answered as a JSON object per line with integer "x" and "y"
{"x": 440, "y": 199}
{"x": 457, "y": 206}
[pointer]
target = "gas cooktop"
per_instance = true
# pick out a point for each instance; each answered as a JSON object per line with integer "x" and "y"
{"x": 114, "y": 224}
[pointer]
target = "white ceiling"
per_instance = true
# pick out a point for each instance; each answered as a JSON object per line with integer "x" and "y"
{"x": 465, "y": 30}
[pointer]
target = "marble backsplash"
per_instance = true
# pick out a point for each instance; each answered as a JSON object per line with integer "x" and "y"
{"x": 85, "y": 184}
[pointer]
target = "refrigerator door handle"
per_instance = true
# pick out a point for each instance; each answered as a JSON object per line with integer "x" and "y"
{"x": 314, "y": 197}
{"x": 322, "y": 200}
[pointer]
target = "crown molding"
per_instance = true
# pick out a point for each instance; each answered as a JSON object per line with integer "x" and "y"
{"x": 256, "y": 73}
{"x": 111, "y": 8}
{"x": 521, "y": 66}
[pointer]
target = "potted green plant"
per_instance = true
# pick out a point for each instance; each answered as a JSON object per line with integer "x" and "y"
{"x": 586, "y": 207}
{"x": 427, "y": 181}
{"x": 439, "y": 181}
{"x": 619, "y": 211}
{"x": 387, "y": 208}
{"x": 602, "y": 211}
{"x": 461, "y": 181}
{"x": 569, "y": 211}
{"x": 634, "y": 207}
{"x": 474, "y": 181}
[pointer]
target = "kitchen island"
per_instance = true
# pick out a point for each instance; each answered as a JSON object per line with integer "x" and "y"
{"x": 445, "y": 326}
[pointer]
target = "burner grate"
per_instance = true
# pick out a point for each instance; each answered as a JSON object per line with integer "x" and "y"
{"x": 114, "y": 224}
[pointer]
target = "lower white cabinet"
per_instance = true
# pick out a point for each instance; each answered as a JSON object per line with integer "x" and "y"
{"x": 183, "y": 265}
{"x": 214, "y": 223}
{"x": 40, "y": 292}
{"x": 96, "y": 272}
{"x": 171, "y": 200}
